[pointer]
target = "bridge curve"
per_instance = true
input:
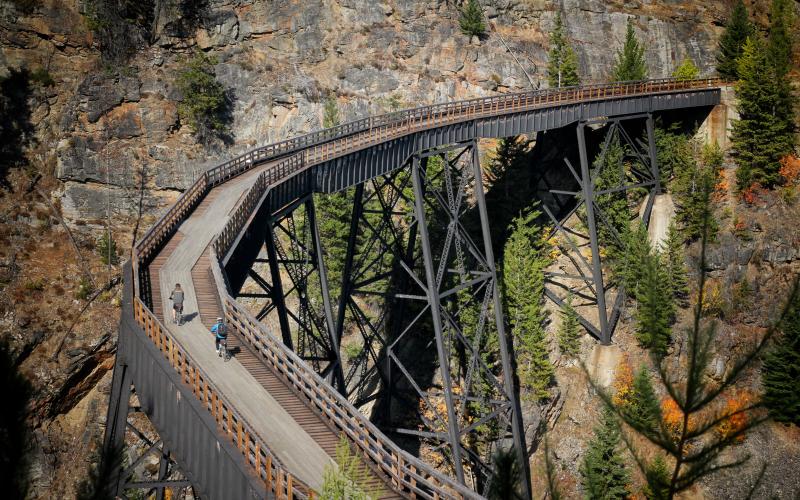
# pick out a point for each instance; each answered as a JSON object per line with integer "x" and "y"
{"x": 199, "y": 241}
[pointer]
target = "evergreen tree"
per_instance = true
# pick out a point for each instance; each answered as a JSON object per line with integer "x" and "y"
{"x": 507, "y": 176}
{"x": 569, "y": 333}
{"x": 779, "y": 49}
{"x": 674, "y": 262}
{"x": 204, "y": 106}
{"x": 691, "y": 184}
{"x": 603, "y": 472}
{"x": 349, "y": 479}
{"x": 689, "y": 432}
{"x": 107, "y": 248}
{"x": 656, "y": 307}
{"x": 657, "y": 474}
{"x": 674, "y": 152}
{"x": 334, "y": 211}
{"x": 524, "y": 261}
{"x": 737, "y": 30}
{"x": 764, "y": 132}
{"x": 471, "y": 20}
{"x": 631, "y": 64}
{"x": 781, "y": 370}
{"x": 562, "y": 67}
{"x": 330, "y": 114}
{"x": 630, "y": 259}
{"x": 644, "y": 407}
{"x": 686, "y": 71}
{"x": 614, "y": 206}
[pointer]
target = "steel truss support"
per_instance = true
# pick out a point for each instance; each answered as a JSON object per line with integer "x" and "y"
{"x": 126, "y": 432}
{"x": 637, "y": 169}
{"x": 298, "y": 276}
{"x": 419, "y": 297}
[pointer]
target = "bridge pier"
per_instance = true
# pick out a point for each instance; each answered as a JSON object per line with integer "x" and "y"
{"x": 637, "y": 169}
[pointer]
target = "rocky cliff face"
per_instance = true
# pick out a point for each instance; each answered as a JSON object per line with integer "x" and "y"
{"x": 114, "y": 124}
{"x": 106, "y": 138}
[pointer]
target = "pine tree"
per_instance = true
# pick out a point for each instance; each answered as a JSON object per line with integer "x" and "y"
{"x": 630, "y": 259}
{"x": 523, "y": 282}
{"x": 614, "y": 206}
{"x": 603, "y": 472}
{"x": 781, "y": 370}
{"x": 569, "y": 333}
{"x": 779, "y": 49}
{"x": 656, "y": 307}
{"x": 204, "y": 106}
{"x": 334, "y": 211}
{"x": 507, "y": 175}
{"x": 689, "y": 187}
{"x": 348, "y": 479}
{"x": 674, "y": 262}
{"x": 631, "y": 64}
{"x": 562, "y": 67}
{"x": 107, "y": 248}
{"x": 471, "y": 20}
{"x": 657, "y": 474}
{"x": 686, "y": 71}
{"x": 330, "y": 113}
{"x": 764, "y": 132}
{"x": 687, "y": 433}
{"x": 737, "y": 30}
{"x": 644, "y": 409}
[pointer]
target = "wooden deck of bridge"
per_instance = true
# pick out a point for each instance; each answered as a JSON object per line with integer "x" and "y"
{"x": 300, "y": 439}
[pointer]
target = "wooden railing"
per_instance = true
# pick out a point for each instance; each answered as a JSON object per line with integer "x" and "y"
{"x": 275, "y": 478}
{"x": 406, "y": 472}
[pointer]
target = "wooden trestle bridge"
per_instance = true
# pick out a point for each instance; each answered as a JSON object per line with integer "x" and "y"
{"x": 267, "y": 423}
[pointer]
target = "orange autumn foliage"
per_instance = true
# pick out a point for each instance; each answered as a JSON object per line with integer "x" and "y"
{"x": 722, "y": 186}
{"x": 734, "y": 422}
{"x": 672, "y": 417}
{"x": 750, "y": 195}
{"x": 790, "y": 169}
{"x": 623, "y": 384}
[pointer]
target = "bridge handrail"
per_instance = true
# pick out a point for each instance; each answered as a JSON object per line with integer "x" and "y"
{"x": 404, "y": 470}
{"x": 432, "y": 114}
{"x": 404, "y": 122}
{"x": 263, "y": 463}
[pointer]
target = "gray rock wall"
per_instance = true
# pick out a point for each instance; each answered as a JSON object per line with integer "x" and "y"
{"x": 280, "y": 60}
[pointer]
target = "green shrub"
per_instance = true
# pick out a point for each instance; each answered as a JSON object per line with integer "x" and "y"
{"x": 84, "y": 290}
{"x": 107, "y": 248}
{"x": 330, "y": 117}
{"x": 204, "y": 106}
{"x": 42, "y": 77}
{"x": 686, "y": 71}
{"x": 35, "y": 285}
{"x": 471, "y": 21}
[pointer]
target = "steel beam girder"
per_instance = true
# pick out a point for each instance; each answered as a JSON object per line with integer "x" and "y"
{"x": 638, "y": 169}
{"x": 297, "y": 291}
{"x": 438, "y": 306}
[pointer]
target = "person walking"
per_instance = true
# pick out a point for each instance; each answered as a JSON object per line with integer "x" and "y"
{"x": 177, "y": 297}
{"x": 220, "y": 331}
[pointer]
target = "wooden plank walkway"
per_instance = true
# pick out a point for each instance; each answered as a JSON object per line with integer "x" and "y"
{"x": 300, "y": 439}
